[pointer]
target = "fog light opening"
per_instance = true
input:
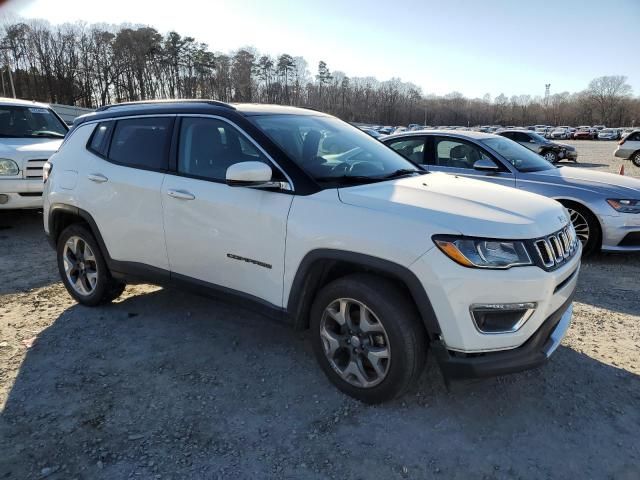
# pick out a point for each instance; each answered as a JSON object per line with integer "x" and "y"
{"x": 4, "y": 199}
{"x": 495, "y": 318}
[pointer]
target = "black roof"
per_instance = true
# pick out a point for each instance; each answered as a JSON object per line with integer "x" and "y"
{"x": 191, "y": 106}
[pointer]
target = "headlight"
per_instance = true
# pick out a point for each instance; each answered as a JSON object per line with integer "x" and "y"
{"x": 625, "y": 206}
{"x": 483, "y": 253}
{"x": 8, "y": 167}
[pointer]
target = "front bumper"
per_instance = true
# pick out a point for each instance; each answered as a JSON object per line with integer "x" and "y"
{"x": 20, "y": 193}
{"x": 453, "y": 289}
{"x": 571, "y": 155}
{"x": 623, "y": 153}
{"x": 618, "y": 232}
{"x": 533, "y": 353}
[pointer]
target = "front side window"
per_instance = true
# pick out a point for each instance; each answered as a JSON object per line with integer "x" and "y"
{"x": 412, "y": 148}
{"x": 208, "y": 147}
{"x": 30, "y": 122}
{"x": 520, "y": 157}
{"x": 458, "y": 154}
{"x": 142, "y": 143}
{"x": 332, "y": 151}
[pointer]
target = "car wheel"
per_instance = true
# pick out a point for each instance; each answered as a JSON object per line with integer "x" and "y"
{"x": 550, "y": 156}
{"x": 587, "y": 228}
{"x": 636, "y": 159}
{"x": 83, "y": 269}
{"x": 368, "y": 337}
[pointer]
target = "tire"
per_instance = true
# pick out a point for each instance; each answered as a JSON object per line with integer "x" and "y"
{"x": 585, "y": 222}
{"x": 550, "y": 156}
{"x": 635, "y": 159}
{"x": 83, "y": 269}
{"x": 393, "y": 326}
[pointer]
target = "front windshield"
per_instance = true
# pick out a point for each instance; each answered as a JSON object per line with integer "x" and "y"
{"x": 520, "y": 157}
{"x": 30, "y": 122}
{"x": 330, "y": 150}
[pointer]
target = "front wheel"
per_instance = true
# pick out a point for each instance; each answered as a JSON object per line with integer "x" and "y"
{"x": 550, "y": 156}
{"x": 636, "y": 159}
{"x": 83, "y": 269}
{"x": 368, "y": 337}
{"x": 587, "y": 228}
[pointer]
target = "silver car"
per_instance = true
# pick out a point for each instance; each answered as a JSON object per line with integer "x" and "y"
{"x": 604, "y": 208}
{"x": 629, "y": 148}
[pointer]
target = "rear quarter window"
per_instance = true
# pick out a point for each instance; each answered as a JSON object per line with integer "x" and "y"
{"x": 99, "y": 141}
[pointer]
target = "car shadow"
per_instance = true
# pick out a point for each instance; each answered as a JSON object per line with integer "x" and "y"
{"x": 26, "y": 258}
{"x": 182, "y": 386}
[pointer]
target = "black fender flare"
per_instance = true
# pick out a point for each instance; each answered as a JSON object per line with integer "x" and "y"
{"x": 303, "y": 286}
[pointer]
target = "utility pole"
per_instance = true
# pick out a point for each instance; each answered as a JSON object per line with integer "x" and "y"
{"x": 13, "y": 89}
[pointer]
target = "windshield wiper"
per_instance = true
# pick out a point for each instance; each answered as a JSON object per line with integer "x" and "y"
{"x": 401, "y": 172}
{"x": 348, "y": 179}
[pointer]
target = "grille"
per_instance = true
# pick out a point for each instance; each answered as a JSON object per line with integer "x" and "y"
{"x": 34, "y": 168}
{"x": 557, "y": 248}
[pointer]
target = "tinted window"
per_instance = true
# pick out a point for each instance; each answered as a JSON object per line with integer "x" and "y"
{"x": 142, "y": 142}
{"x": 209, "y": 146}
{"x": 412, "y": 148}
{"x": 457, "y": 154}
{"x": 634, "y": 137}
{"x": 508, "y": 135}
{"x": 520, "y": 157}
{"x": 100, "y": 138}
{"x": 520, "y": 137}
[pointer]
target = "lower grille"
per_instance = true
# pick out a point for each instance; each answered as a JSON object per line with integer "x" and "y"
{"x": 34, "y": 168}
{"x": 631, "y": 240}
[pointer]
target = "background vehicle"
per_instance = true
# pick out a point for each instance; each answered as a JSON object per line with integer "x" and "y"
{"x": 29, "y": 134}
{"x": 609, "y": 134}
{"x": 378, "y": 266}
{"x": 584, "y": 133}
{"x": 629, "y": 148}
{"x": 560, "y": 133}
{"x": 604, "y": 208}
{"x": 552, "y": 152}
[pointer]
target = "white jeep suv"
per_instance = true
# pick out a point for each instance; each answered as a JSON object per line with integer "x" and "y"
{"x": 29, "y": 134}
{"x": 315, "y": 222}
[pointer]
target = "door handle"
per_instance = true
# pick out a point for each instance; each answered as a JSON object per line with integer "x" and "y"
{"x": 181, "y": 194}
{"x": 97, "y": 177}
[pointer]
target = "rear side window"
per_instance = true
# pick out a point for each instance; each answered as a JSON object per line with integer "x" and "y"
{"x": 411, "y": 148}
{"x": 99, "y": 142}
{"x": 142, "y": 143}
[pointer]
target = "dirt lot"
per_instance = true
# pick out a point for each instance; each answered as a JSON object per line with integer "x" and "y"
{"x": 164, "y": 384}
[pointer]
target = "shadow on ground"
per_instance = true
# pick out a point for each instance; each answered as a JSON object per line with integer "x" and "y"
{"x": 26, "y": 260}
{"x": 184, "y": 387}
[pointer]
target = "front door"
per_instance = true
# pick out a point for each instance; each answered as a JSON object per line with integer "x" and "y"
{"x": 232, "y": 237}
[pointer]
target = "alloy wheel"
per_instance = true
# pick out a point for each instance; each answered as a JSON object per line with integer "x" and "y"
{"x": 80, "y": 266}
{"x": 550, "y": 157}
{"x": 355, "y": 343}
{"x": 581, "y": 226}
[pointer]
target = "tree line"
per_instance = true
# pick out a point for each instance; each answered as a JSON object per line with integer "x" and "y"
{"x": 93, "y": 65}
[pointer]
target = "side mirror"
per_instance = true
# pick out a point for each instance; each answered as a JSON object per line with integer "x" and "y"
{"x": 485, "y": 165}
{"x": 253, "y": 175}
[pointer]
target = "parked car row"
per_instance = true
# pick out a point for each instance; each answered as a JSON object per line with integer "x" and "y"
{"x": 461, "y": 242}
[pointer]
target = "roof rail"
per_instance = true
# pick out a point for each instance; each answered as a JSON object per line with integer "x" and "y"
{"x": 167, "y": 101}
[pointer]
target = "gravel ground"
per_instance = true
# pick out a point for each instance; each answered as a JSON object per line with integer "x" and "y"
{"x": 164, "y": 384}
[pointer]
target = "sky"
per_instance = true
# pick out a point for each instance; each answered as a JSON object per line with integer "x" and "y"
{"x": 470, "y": 46}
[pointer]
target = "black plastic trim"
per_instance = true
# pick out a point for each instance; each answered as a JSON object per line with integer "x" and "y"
{"x": 303, "y": 287}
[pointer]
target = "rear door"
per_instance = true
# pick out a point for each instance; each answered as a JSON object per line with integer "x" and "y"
{"x": 120, "y": 186}
{"x": 457, "y": 156}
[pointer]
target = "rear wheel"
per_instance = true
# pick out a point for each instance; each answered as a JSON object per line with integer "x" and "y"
{"x": 83, "y": 269}
{"x": 367, "y": 337}
{"x": 587, "y": 228}
{"x": 635, "y": 158}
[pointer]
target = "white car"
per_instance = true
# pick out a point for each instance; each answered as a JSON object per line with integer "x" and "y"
{"x": 29, "y": 134}
{"x": 629, "y": 147}
{"x": 380, "y": 259}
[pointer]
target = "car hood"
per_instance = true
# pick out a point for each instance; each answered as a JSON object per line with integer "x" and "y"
{"x": 462, "y": 205}
{"x": 566, "y": 146}
{"x": 20, "y": 149}
{"x": 585, "y": 179}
